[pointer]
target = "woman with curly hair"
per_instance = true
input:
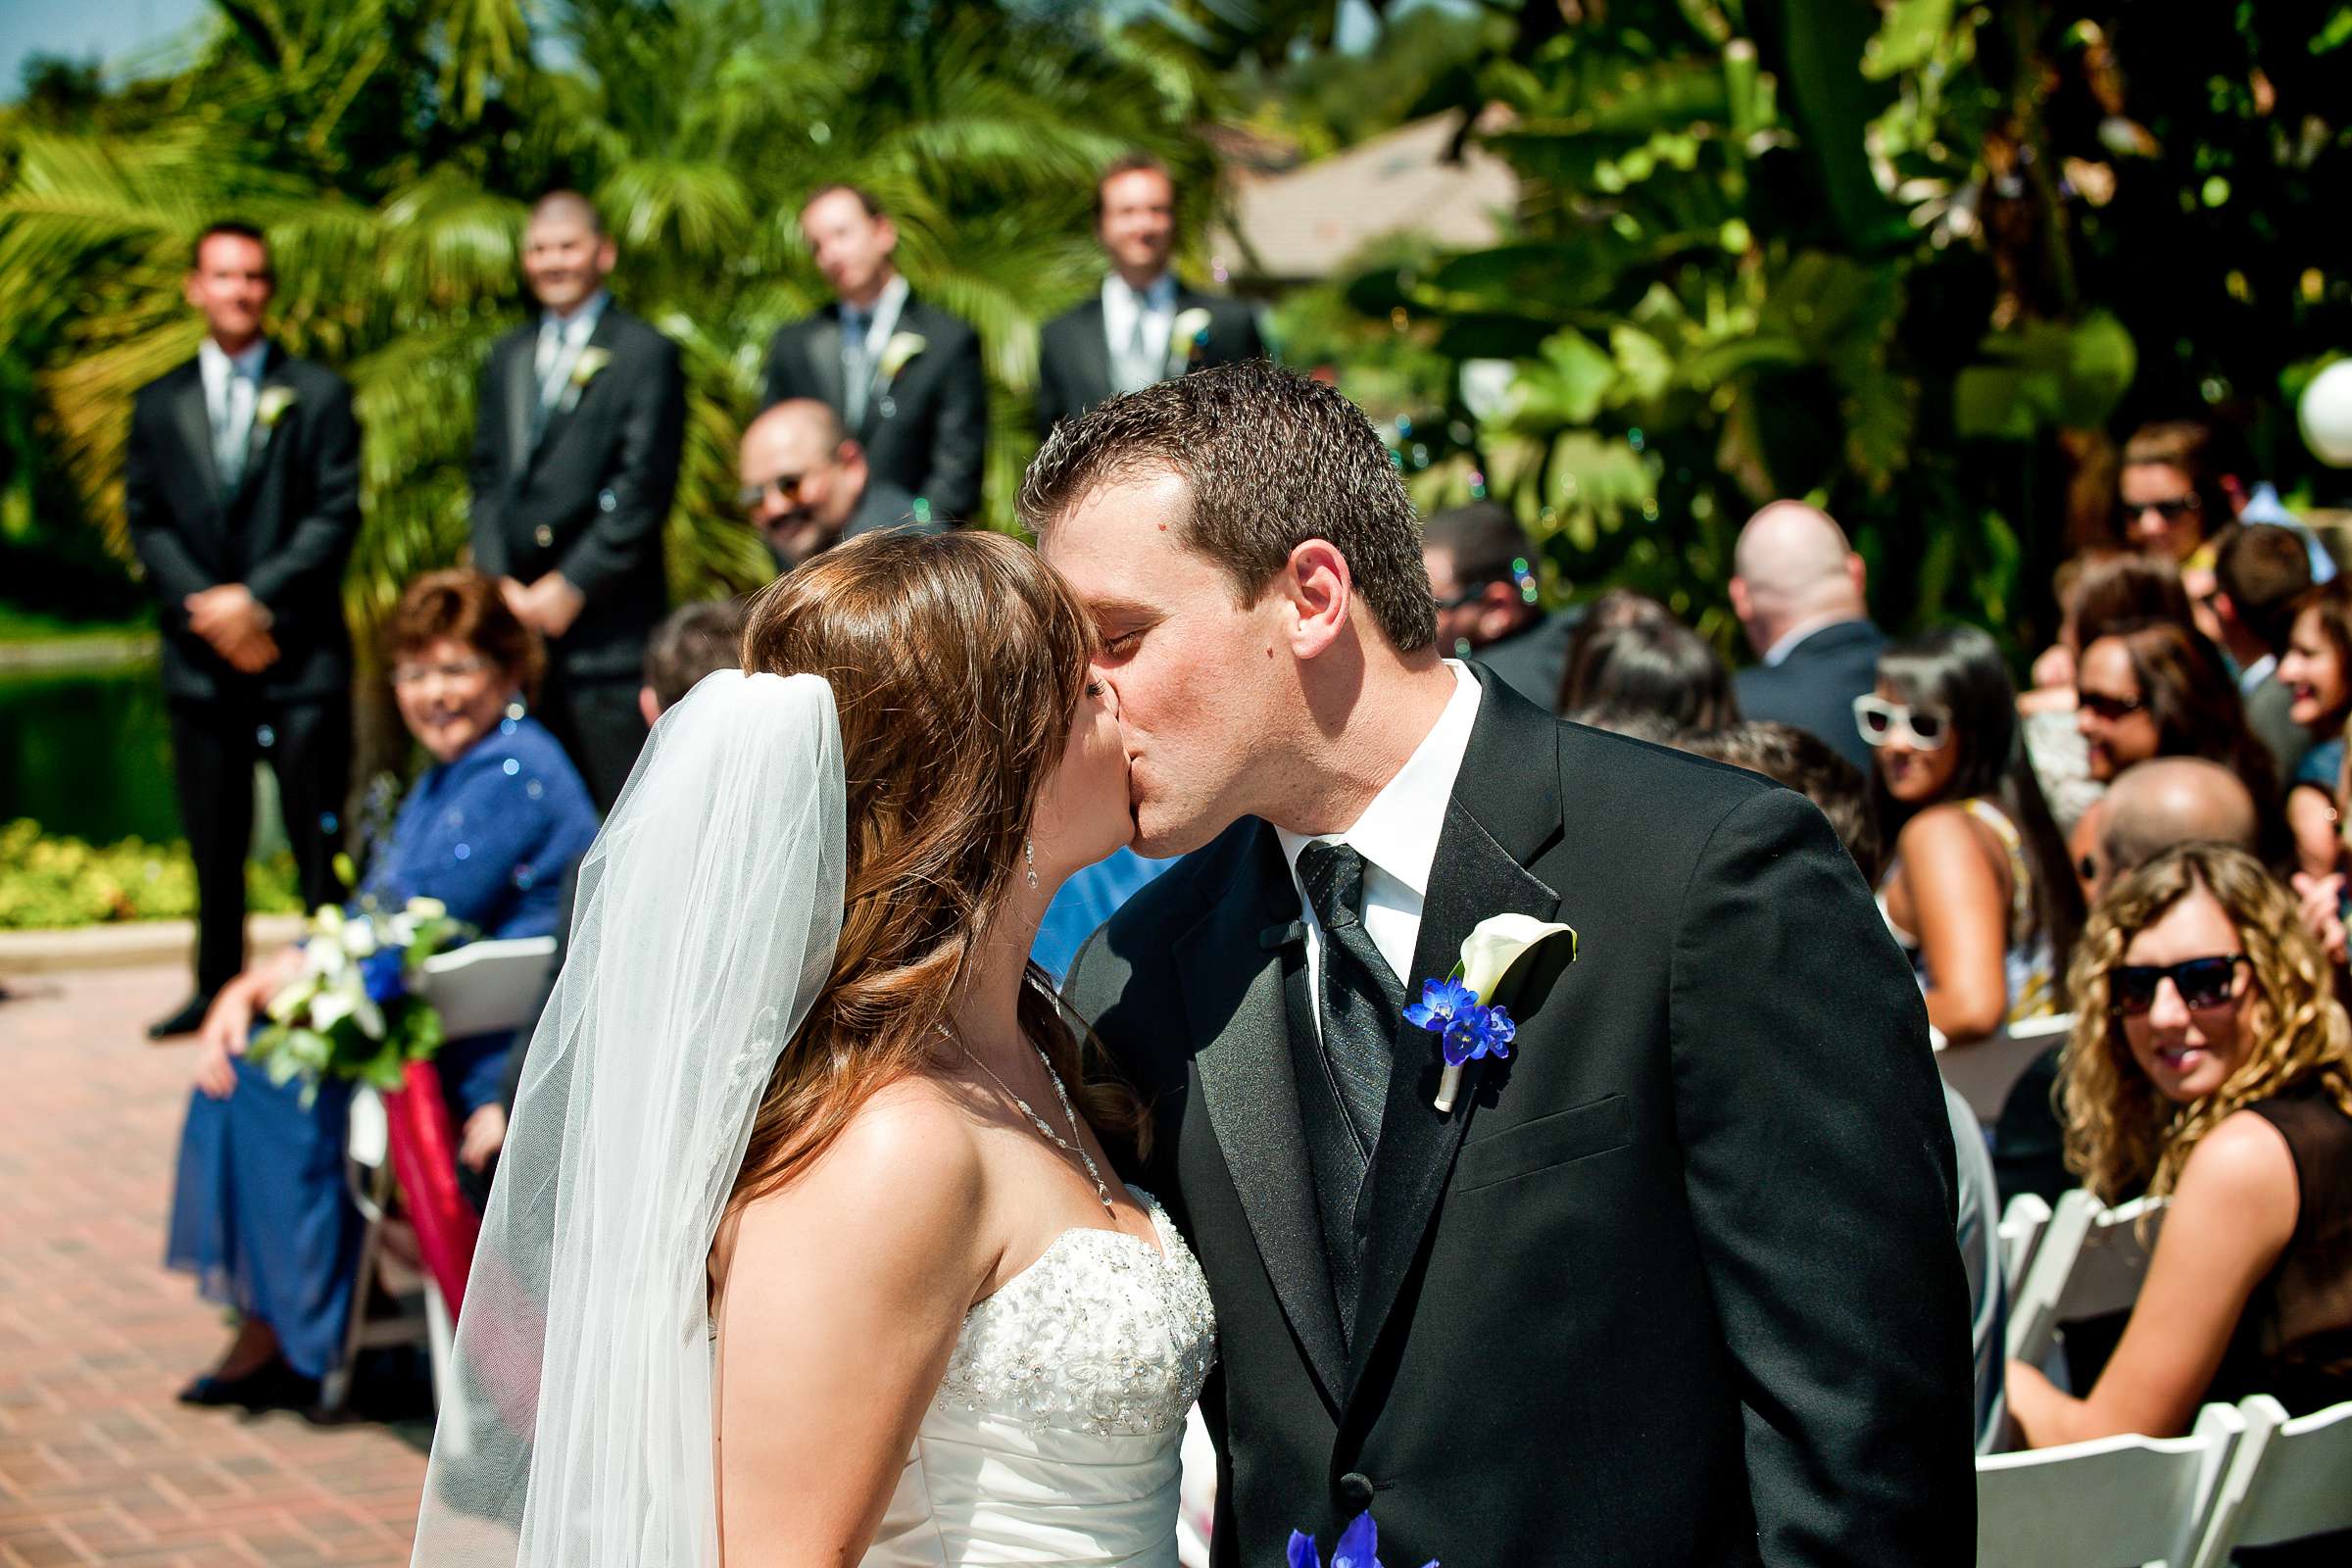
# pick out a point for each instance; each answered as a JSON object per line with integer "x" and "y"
{"x": 2210, "y": 1065}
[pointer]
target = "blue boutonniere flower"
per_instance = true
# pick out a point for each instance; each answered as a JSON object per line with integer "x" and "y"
{"x": 1358, "y": 1548}
{"x": 1458, "y": 1008}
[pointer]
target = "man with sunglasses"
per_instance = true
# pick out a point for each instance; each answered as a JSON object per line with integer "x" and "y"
{"x": 806, "y": 484}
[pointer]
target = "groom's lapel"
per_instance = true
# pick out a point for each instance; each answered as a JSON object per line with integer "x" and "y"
{"x": 1232, "y": 969}
{"x": 1505, "y": 810}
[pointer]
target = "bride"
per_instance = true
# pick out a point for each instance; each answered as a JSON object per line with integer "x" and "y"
{"x": 806, "y": 1248}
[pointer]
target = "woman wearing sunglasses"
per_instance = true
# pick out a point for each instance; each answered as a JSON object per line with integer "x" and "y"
{"x": 2210, "y": 1065}
{"x": 1979, "y": 889}
{"x": 2317, "y": 672}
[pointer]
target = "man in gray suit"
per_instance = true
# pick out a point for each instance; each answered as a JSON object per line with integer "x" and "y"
{"x": 806, "y": 484}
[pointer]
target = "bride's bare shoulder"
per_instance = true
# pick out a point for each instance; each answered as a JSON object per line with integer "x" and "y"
{"x": 905, "y": 1168}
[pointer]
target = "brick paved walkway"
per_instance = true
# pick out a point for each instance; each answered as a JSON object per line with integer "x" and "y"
{"x": 97, "y": 1464}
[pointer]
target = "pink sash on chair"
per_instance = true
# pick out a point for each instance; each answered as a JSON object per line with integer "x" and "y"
{"x": 425, "y": 1161}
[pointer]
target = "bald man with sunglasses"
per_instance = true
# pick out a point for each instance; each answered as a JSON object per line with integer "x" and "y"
{"x": 806, "y": 484}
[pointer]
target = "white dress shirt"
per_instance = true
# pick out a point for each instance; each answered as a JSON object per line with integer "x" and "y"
{"x": 232, "y": 385}
{"x": 1122, "y": 309}
{"x": 1398, "y": 837}
{"x": 563, "y": 339}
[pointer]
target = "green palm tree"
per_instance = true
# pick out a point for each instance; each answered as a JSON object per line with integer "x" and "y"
{"x": 391, "y": 149}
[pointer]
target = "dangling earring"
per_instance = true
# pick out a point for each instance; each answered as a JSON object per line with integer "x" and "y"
{"x": 1029, "y": 858}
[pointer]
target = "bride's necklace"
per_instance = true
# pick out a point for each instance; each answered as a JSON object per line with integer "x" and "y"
{"x": 1042, "y": 1125}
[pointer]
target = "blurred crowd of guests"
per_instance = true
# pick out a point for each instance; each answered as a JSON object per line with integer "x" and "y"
{"x": 2147, "y": 836}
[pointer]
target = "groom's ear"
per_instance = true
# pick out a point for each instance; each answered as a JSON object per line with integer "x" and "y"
{"x": 1320, "y": 589}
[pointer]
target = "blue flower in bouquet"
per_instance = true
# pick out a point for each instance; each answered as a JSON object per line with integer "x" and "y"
{"x": 383, "y": 973}
{"x": 1358, "y": 1548}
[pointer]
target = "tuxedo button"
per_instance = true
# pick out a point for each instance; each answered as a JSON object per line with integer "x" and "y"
{"x": 1356, "y": 1490}
{"x": 544, "y": 534}
{"x": 606, "y": 501}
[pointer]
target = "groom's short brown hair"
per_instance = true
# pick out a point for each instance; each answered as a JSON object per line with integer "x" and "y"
{"x": 1272, "y": 458}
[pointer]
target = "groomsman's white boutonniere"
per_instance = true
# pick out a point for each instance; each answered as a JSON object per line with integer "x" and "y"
{"x": 271, "y": 406}
{"x": 584, "y": 370}
{"x": 1187, "y": 339}
{"x": 901, "y": 347}
{"x": 1460, "y": 1010}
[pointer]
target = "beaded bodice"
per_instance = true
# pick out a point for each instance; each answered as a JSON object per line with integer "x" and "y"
{"x": 1103, "y": 1334}
{"x": 1053, "y": 1438}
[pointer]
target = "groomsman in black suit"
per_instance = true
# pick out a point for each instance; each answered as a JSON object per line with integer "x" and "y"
{"x": 904, "y": 376}
{"x": 241, "y": 487}
{"x": 1145, "y": 324}
{"x": 575, "y": 460}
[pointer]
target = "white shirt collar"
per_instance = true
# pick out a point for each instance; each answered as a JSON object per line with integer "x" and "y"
{"x": 1399, "y": 831}
{"x": 1780, "y": 651}
{"x": 581, "y": 322}
{"x": 216, "y": 364}
{"x": 882, "y": 317}
{"x": 1160, "y": 295}
{"x": 2256, "y": 673}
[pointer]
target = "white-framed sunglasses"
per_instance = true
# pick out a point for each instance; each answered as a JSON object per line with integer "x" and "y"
{"x": 1922, "y": 729}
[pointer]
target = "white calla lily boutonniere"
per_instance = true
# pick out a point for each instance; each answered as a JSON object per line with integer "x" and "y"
{"x": 1460, "y": 1010}
{"x": 271, "y": 406}
{"x": 901, "y": 347}
{"x": 588, "y": 365}
{"x": 1187, "y": 338}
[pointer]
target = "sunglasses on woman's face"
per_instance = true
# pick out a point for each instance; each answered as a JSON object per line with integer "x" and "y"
{"x": 2204, "y": 984}
{"x": 2105, "y": 705}
{"x": 1922, "y": 729}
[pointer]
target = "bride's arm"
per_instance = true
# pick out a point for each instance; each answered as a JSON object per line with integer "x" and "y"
{"x": 841, "y": 1298}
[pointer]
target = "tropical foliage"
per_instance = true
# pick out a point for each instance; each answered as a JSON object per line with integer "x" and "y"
{"x": 1913, "y": 261}
{"x": 48, "y": 881}
{"x": 392, "y": 147}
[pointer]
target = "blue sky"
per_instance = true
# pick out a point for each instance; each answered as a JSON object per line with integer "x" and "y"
{"x": 116, "y": 32}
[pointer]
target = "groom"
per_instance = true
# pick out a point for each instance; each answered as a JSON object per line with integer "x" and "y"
{"x": 1675, "y": 1283}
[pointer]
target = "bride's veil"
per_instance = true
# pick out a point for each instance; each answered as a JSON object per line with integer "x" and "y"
{"x": 705, "y": 921}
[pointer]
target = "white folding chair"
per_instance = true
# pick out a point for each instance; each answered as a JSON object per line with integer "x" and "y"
{"x": 2116, "y": 1503}
{"x": 2289, "y": 1479}
{"x": 479, "y": 989}
{"x": 1983, "y": 1071}
{"x": 2023, "y": 1224}
{"x": 2089, "y": 1264}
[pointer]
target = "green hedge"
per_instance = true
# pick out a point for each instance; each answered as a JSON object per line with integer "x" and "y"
{"x": 49, "y": 882}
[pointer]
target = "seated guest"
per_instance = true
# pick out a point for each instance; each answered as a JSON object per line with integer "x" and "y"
{"x": 1806, "y": 764}
{"x": 691, "y": 641}
{"x": 2152, "y": 807}
{"x": 806, "y": 485}
{"x": 1482, "y": 568}
{"x": 1979, "y": 891}
{"x": 1653, "y": 664}
{"x": 260, "y": 1214}
{"x": 2157, "y": 689}
{"x": 2106, "y": 590}
{"x": 2210, "y": 1065}
{"x": 1797, "y": 590}
{"x": 2317, "y": 672}
{"x": 2260, "y": 575}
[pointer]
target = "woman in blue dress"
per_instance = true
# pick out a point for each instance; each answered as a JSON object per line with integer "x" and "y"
{"x": 260, "y": 1215}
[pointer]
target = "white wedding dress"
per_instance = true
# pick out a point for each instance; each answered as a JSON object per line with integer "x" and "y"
{"x": 1054, "y": 1436}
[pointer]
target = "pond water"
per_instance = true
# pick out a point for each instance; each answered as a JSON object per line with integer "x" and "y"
{"x": 87, "y": 754}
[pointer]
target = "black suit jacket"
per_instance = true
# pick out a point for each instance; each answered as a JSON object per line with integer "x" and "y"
{"x": 285, "y": 532}
{"x": 1814, "y": 688}
{"x": 926, "y": 430}
{"x": 1073, "y": 356}
{"x": 590, "y": 497}
{"x": 1675, "y": 1283}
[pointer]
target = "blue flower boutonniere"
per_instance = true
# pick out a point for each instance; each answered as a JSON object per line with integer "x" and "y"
{"x": 1358, "y": 1548}
{"x": 1459, "y": 1010}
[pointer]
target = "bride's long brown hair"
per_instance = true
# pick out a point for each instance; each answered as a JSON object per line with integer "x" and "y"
{"x": 958, "y": 663}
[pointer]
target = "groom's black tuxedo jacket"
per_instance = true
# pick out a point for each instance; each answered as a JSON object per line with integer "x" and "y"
{"x": 1676, "y": 1284}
